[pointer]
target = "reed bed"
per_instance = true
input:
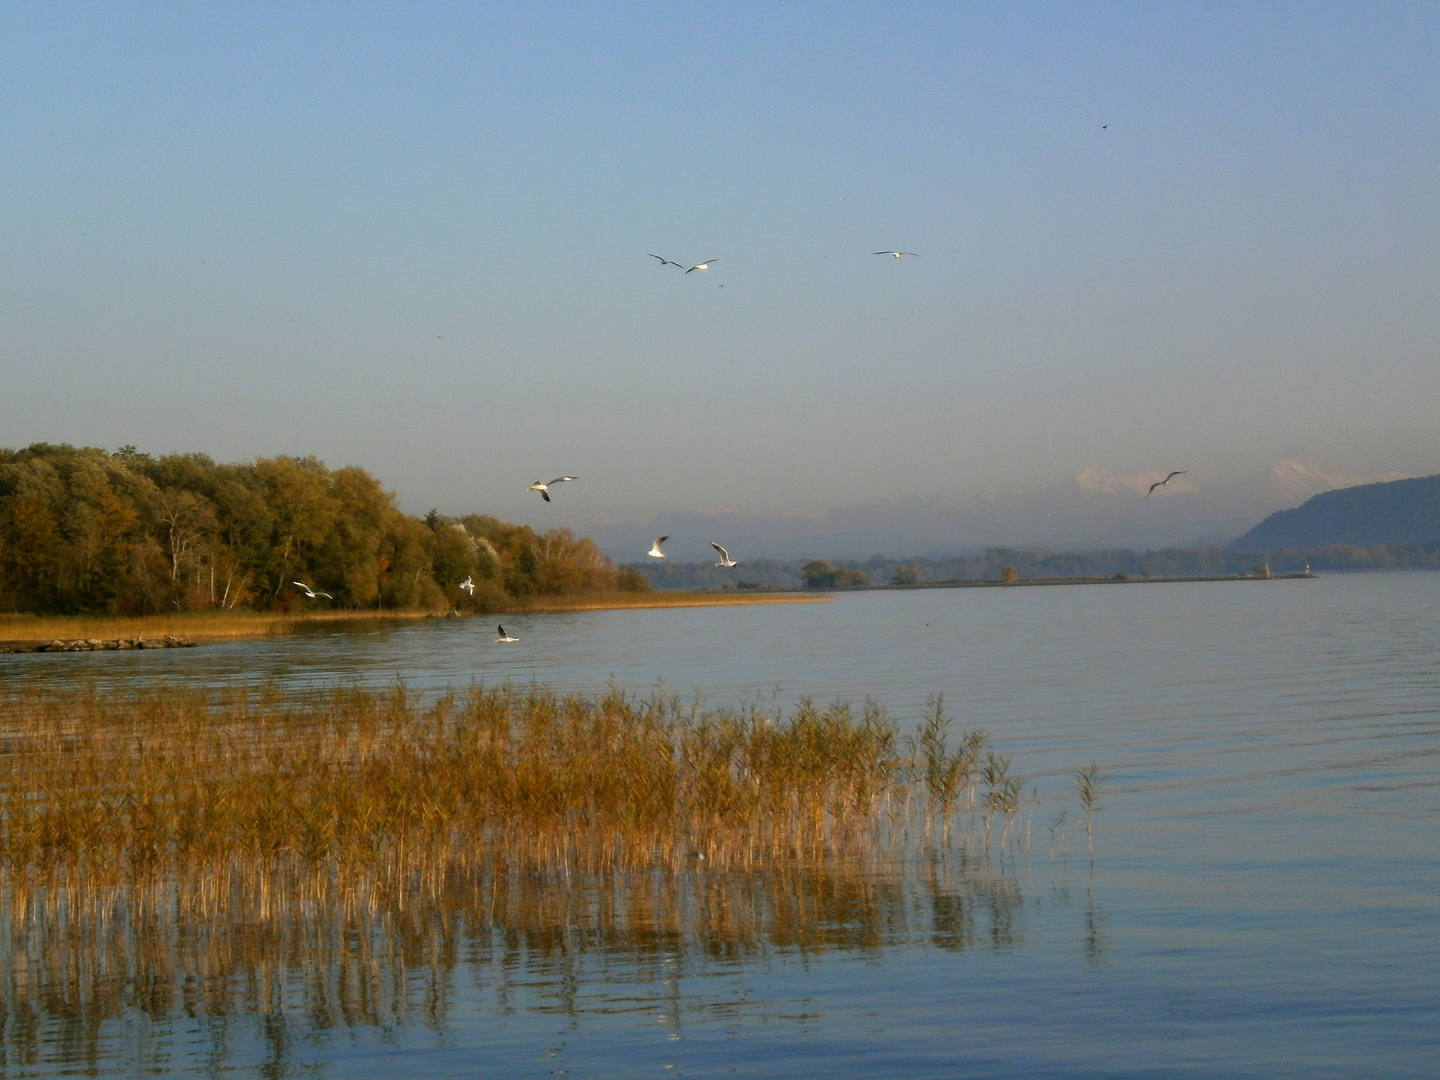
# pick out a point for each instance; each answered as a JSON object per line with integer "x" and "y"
{"x": 343, "y": 855}
{"x": 115, "y": 780}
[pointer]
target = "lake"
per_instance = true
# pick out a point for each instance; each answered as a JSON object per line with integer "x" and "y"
{"x": 1263, "y": 897}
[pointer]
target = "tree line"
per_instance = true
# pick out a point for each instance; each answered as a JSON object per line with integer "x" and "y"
{"x": 83, "y": 530}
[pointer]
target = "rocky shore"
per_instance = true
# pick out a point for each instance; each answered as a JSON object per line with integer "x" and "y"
{"x": 96, "y": 644}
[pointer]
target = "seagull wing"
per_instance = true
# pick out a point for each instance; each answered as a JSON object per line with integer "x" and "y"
{"x": 562, "y": 479}
{"x": 662, "y": 539}
{"x": 704, "y": 265}
{"x": 1177, "y": 472}
{"x": 663, "y": 261}
{"x": 326, "y": 595}
{"x": 723, "y": 553}
{"x": 1153, "y": 486}
{"x": 545, "y": 494}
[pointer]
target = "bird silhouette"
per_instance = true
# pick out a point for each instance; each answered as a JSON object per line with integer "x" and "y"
{"x": 1162, "y": 483}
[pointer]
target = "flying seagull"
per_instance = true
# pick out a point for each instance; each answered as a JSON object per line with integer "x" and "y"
{"x": 544, "y": 489}
{"x": 897, "y": 254}
{"x": 702, "y": 265}
{"x": 664, "y": 261}
{"x": 504, "y": 636}
{"x": 468, "y": 585}
{"x": 1162, "y": 483}
{"x": 655, "y": 552}
{"x": 311, "y": 593}
{"x": 725, "y": 560}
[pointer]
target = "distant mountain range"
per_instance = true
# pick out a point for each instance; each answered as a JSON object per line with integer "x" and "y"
{"x": 1098, "y": 509}
{"x": 1398, "y": 512}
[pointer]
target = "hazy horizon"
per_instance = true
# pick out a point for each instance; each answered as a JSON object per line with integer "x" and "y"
{"x": 416, "y": 239}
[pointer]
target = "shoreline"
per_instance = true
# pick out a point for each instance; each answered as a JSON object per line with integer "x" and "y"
{"x": 83, "y": 633}
{"x": 80, "y": 633}
{"x": 1112, "y": 580}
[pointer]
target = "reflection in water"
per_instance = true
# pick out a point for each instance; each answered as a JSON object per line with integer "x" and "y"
{"x": 1094, "y": 922}
{"x": 293, "y": 950}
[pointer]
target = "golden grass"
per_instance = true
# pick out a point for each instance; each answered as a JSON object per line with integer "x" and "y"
{"x": 167, "y": 776}
{"x": 197, "y": 626}
{"x": 233, "y": 625}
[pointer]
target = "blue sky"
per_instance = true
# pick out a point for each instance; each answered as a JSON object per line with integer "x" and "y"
{"x": 413, "y": 237}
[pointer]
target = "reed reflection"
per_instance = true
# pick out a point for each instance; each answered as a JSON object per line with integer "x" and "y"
{"x": 401, "y": 941}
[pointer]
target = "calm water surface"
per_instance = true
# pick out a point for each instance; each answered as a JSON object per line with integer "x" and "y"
{"x": 1263, "y": 900}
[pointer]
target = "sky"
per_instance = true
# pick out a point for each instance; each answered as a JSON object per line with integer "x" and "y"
{"x": 414, "y": 237}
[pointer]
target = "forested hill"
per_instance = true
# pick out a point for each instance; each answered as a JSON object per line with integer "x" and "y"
{"x": 1396, "y": 512}
{"x": 83, "y": 530}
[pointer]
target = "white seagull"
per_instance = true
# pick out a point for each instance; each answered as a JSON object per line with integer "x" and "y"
{"x": 1162, "y": 483}
{"x": 655, "y": 552}
{"x": 664, "y": 261}
{"x": 311, "y": 593}
{"x": 504, "y": 636}
{"x": 544, "y": 489}
{"x": 702, "y": 265}
{"x": 468, "y": 585}
{"x": 725, "y": 560}
{"x": 897, "y": 254}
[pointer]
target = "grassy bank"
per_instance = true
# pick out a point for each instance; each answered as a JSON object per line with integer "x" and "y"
{"x": 232, "y": 625}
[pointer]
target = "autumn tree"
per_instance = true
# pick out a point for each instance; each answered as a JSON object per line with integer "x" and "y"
{"x": 86, "y": 530}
